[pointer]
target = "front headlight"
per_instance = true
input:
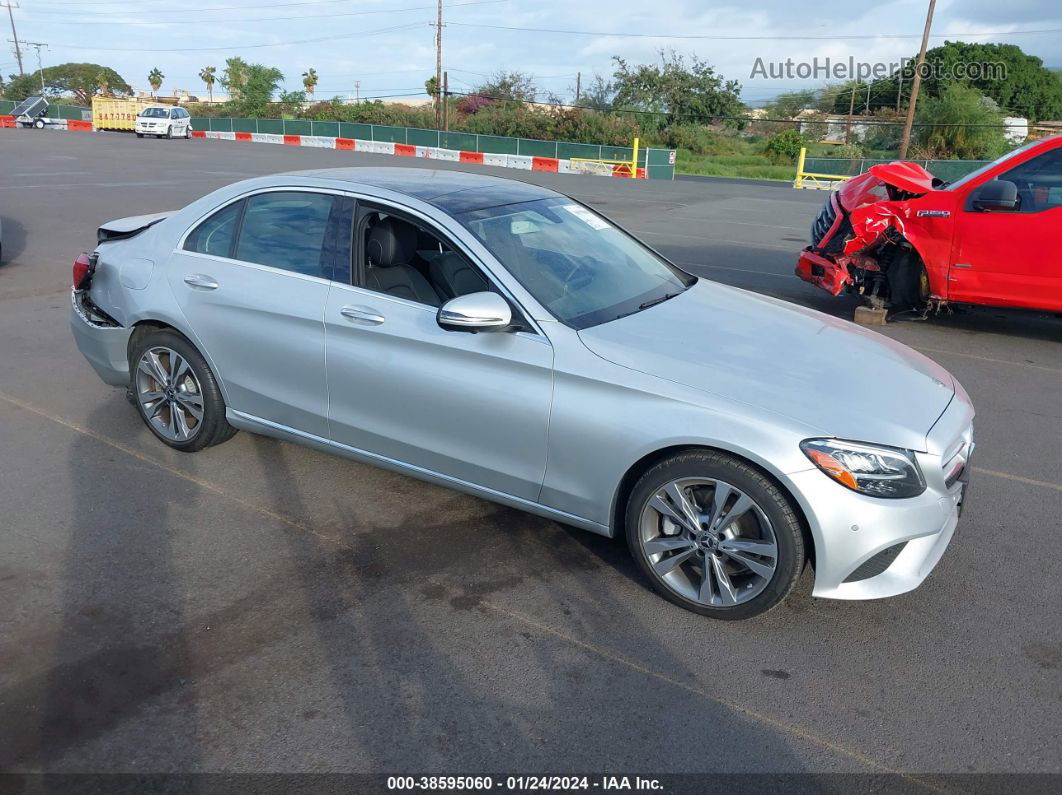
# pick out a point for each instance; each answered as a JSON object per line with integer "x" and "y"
{"x": 875, "y": 471}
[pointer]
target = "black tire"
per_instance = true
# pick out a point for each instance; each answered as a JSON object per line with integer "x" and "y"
{"x": 214, "y": 428}
{"x": 140, "y": 135}
{"x": 908, "y": 283}
{"x": 764, "y": 492}
{"x": 169, "y": 132}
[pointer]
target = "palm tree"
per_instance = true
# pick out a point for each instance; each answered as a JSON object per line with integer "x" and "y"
{"x": 207, "y": 75}
{"x": 309, "y": 80}
{"x": 155, "y": 78}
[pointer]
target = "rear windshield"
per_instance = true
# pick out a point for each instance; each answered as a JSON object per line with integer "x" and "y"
{"x": 154, "y": 113}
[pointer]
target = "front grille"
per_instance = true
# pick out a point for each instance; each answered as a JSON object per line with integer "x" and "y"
{"x": 877, "y": 564}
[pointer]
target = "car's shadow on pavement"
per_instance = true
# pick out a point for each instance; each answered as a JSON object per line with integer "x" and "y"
{"x": 12, "y": 238}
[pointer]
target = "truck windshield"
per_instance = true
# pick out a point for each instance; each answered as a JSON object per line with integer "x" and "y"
{"x": 579, "y": 266}
{"x": 989, "y": 166}
{"x": 154, "y": 113}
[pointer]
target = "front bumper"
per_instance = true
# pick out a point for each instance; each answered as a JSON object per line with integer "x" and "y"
{"x": 821, "y": 272}
{"x": 104, "y": 346}
{"x": 871, "y": 548}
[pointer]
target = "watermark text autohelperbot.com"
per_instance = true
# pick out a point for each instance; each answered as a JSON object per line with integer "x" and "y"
{"x": 851, "y": 69}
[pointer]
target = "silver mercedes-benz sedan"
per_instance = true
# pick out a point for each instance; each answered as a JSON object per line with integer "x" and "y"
{"x": 508, "y": 341}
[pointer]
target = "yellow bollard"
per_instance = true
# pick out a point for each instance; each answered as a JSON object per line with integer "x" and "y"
{"x": 799, "y": 182}
{"x": 634, "y": 162}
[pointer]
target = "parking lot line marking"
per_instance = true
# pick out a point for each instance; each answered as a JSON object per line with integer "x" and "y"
{"x": 1019, "y": 479}
{"x": 811, "y": 737}
{"x": 989, "y": 359}
{"x": 709, "y": 239}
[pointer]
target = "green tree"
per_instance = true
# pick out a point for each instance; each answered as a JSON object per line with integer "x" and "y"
{"x": 234, "y": 78}
{"x": 790, "y": 103}
{"x": 259, "y": 85}
{"x": 681, "y": 92}
{"x": 960, "y": 123}
{"x": 597, "y": 95}
{"x": 82, "y": 81}
{"x": 155, "y": 78}
{"x": 784, "y": 147}
{"x": 309, "y": 81}
{"x": 1022, "y": 86}
{"x": 208, "y": 74}
{"x": 517, "y": 86}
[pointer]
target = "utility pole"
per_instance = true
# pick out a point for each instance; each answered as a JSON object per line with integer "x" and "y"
{"x": 357, "y": 92}
{"x": 446, "y": 102}
{"x": 851, "y": 110}
{"x": 40, "y": 69}
{"x": 14, "y": 36}
{"x": 438, "y": 68}
{"x": 906, "y": 142}
{"x": 578, "y": 86}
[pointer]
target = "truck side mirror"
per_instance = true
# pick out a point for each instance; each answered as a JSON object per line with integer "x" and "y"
{"x": 999, "y": 194}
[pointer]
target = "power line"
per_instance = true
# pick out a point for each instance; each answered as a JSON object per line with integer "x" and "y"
{"x": 716, "y": 37}
{"x": 79, "y": 22}
{"x": 237, "y": 47}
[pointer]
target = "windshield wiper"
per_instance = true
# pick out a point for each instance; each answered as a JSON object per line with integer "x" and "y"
{"x": 656, "y": 301}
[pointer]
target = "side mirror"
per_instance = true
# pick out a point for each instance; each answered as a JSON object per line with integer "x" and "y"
{"x": 475, "y": 312}
{"x": 999, "y": 194}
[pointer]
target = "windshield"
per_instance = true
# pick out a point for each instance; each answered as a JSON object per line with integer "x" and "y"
{"x": 154, "y": 113}
{"x": 989, "y": 166}
{"x": 574, "y": 262}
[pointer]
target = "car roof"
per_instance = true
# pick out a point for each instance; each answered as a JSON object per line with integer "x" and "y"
{"x": 451, "y": 191}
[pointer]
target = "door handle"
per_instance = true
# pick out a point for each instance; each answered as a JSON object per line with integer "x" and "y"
{"x": 363, "y": 313}
{"x": 200, "y": 280}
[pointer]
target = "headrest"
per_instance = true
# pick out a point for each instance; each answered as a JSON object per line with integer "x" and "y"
{"x": 391, "y": 242}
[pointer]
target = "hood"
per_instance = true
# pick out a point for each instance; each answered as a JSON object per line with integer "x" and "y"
{"x": 842, "y": 379}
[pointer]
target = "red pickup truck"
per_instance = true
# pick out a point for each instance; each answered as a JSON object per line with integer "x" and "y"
{"x": 906, "y": 240}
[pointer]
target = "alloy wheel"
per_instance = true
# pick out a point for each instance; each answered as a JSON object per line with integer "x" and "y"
{"x": 708, "y": 541}
{"x": 169, "y": 394}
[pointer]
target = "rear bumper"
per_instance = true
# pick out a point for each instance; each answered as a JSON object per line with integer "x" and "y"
{"x": 816, "y": 269}
{"x": 105, "y": 347}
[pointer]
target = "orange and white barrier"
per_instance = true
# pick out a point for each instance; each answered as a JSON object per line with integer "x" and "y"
{"x": 522, "y": 162}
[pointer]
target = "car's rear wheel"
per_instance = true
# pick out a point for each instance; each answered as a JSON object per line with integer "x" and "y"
{"x": 176, "y": 393}
{"x": 714, "y": 535}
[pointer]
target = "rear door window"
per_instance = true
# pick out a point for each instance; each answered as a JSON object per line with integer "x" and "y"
{"x": 287, "y": 230}
{"x": 215, "y": 235}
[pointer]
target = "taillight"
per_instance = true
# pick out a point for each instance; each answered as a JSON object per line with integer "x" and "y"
{"x": 84, "y": 265}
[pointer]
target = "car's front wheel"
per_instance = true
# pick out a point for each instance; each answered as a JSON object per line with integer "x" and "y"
{"x": 169, "y": 132}
{"x": 176, "y": 393}
{"x": 714, "y": 535}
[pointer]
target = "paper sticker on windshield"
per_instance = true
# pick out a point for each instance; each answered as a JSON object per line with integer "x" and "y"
{"x": 586, "y": 216}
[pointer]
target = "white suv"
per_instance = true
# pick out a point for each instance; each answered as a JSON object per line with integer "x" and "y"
{"x": 163, "y": 121}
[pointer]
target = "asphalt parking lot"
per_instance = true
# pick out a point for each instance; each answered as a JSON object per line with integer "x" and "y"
{"x": 263, "y": 607}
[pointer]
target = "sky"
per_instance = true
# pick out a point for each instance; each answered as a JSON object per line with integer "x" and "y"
{"x": 388, "y": 45}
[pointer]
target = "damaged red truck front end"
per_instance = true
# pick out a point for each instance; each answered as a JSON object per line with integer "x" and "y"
{"x": 903, "y": 239}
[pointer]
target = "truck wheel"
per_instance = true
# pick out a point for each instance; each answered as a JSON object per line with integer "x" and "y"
{"x": 908, "y": 284}
{"x": 140, "y": 135}
{"x": 39, "y": 124}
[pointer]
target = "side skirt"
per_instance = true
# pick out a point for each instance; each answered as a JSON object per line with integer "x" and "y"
{"x": 247, "y": 422}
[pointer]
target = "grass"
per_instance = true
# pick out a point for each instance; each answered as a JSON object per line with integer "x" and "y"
{"x": 748, "y": 166}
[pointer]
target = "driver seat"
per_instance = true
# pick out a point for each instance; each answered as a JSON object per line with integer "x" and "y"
{"x": 392, "y": 244}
